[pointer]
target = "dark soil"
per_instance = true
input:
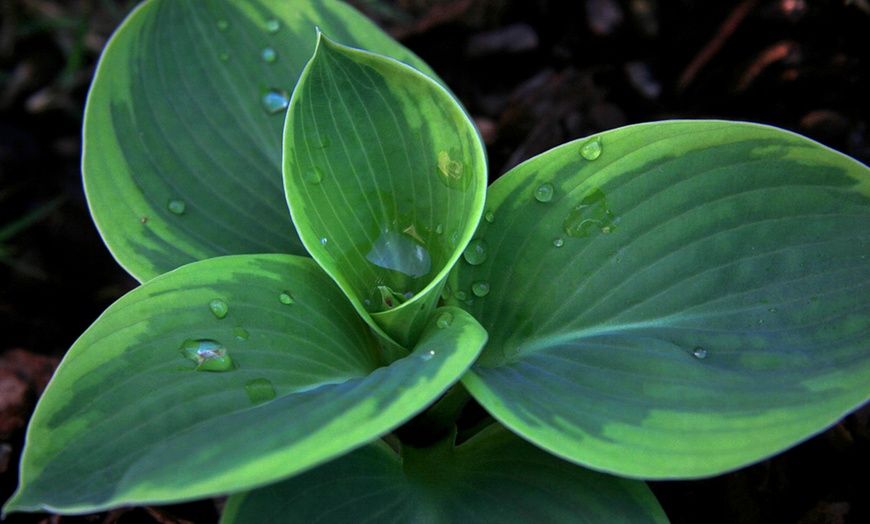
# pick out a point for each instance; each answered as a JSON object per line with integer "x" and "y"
{"x": 534, "y": 74}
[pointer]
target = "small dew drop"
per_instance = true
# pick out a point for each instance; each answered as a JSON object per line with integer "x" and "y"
{"x": 439, "y": 229}
{"x": 273, "y": 25}
{"x": 176, "y": 207}
{"x": 313, "y": 176}
{"x": 259, "y": 390}
{"x": 454, "y": 239}
{"x": 591, "y": 149}
{"x": 218, "y": 308}
{"x": 209, "y": 355}
{"x": 323, "y": 241}
{"x": 444, "y": 320}
{"x": 489, "y": 217}
{"x": 475, "y": 254}
{"x": 286, "y": 298}
{"x": 699, "y": 353}
{"x": 223, "y": 25}
{"x": 545, "y": 192}
{"x": 445, "y": 293}
{"x": 427, "y": 356}
{"x": 558, "y": 242}
{"x": 240, "y": 333}
{"x": 460, "y": 295}
{"x": 269, "y": 55}
{"x": 480, "y": 288}
{"x": 275, "y": 101}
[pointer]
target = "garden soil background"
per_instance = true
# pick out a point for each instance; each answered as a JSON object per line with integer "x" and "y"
{"x": 533, "y": 74}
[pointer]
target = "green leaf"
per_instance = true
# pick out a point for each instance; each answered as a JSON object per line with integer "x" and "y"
{"x": 182, "y": 132}
{"x": 694, "y": 298}
{"x": 385, "y": 177}
{"x": 223, "y": 375}
{"x": 494, "y": 477}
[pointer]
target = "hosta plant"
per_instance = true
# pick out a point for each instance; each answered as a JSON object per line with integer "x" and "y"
{"x": 667, "y": 300}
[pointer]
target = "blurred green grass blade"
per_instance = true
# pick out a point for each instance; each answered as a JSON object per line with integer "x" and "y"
{"x": 674, "y": 299}
{"x": 182, "y": 132}
{"x": 494, "y": 477}
{"x": 220, "y": 376}
{"x": 385, "y": 177}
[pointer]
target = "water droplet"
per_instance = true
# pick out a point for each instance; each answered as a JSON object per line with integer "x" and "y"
{"x": 275, "y": 101}
{"x": 445, "y": 293}
{"x": 273, "y": 25}
{"x": 558, "y": 242}
{"x": 269, "y": 55}
{"x": 286, "y": 298}
{"x": 451, "y": 172}
{"x": 313, "y": 176}
{"x": 402, "y": 252}
{"x": 209, "y": 355}
{"x": 454, "y": 239}
{"x": 591, "y": 149}
{"x": 240, "y": 333}
{"x": 591, "y": 215}
{"x": 439, "y": 229}
{"x": 323, "y": 241}
{"x": 259, "y": 390}
{"x": 218, "y": 307}
{"x": 545, "y": 192}
{"x": 480, "y": 288}
{"x": 773, "y": 310}
{"x": 489, "y": 217}
{"x": 176, "y": 206}
{"x": 444, "y": 320}
{"x": 699, "y": 353}
{"x": 223, "y": 25}
{"x": 460, "y": 295}
{"x": 475, "y": 254}
{"x": 426, "y": 356}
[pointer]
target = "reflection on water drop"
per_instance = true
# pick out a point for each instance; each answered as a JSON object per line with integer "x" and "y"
{"x": 313, "y": 176}
{"x": 591, "y": 149}
{"x": 275, "y": 102}
{"x": 480, "y": 288}
{"x": 545, "y": 192}
{"x": 209, "y": 355}
{"x": 592, "y": 215}
{"x": 286, "y": 298}
{"x": 699, "y": 353}
{"x": 427, "y": 356}
{"x": 269, "y": 55}
{"x": 558, "y": 242}
{"x": 176, "y": 207}
{"x": 273, "y": 25}
{"x": 444, "y": 320}
{"x": 259, "y": 390}
{"x": 240, "y": 333}
{"x": 400, "y": 252}
{"x": 323, "y": 241}
{"x": 475, "y": 254}
{"x": 218, "y": 308}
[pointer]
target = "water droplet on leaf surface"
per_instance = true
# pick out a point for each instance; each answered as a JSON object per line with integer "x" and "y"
{"x": 451, "y": 172}
{"x": 544, "y": 192}
{"x": 401, "y": 252}
{"x": 259, "y": 390}
{"x": 591, "y": 149}
{"x": 275, "y": 101}
{"x": 323, "y": 241}
{"x": 699, "y": 353}
{"x": 444, "y": 320}
{"x": 269, "y": 55}
{"x": 240, "y": 333}
{"x": 480, "y": 288}
{"x": 209, "y": 355}
{"x": 475, "y": 254}
{"x": 218, "y": 308}
{"x": 489, "y": 217}
{"x": 558, "y": 242}
{"x": 592, "y": 215}
{"x": 273, "y": 25}
{"x": 176, "y": 207}
{"x": 286, "y": 298}
{"x": 313, "y": 176}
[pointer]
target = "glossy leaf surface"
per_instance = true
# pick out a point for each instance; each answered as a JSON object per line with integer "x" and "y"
{"x": 385, "y": 178}
{"x": 220, "y": 376}
{"x": 494, "y": 477}
{"x": 674, "y": 299}
{"x": 182, "y": 134}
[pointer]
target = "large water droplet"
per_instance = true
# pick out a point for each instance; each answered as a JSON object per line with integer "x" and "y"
{"x": 259, "y": 390}
{"x": 218, "y": 308}
{"x": 480, "y": 288}
{"x": 475, "y": 254}
{"x": 176, "y": 206}
{"x": 275, "y": 101}
{"x": 699, "y": 353}
{"x": 286, "y": 298}
{"x": 401, "y": 252}
{"x": 591, "y": 149}
{"x": 240, "y": 333}
{"x": 313, "y": 176}
{"x": 209, "y": 355}
{"x": 444, "y": 320}
{"x": 545, "y": 192}
{"x": 272, "y": 25}
{"x": 590, "y": 216}
{"x": 269, "y": 55}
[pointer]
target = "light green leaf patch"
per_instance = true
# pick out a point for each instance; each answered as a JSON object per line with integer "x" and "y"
{"x": 385, "y": 177}
{"x": 182, "y": 132}
{"x": 494, "y": 477}
{"x": 674, "y": 299}
{"x": 220, "y": 376}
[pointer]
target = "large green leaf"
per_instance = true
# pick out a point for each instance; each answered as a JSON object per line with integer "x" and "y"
{"x": 182, "y": 134}
{"x": 494, "y": 477}
{"x": 386, "y": 178}
{"x": 674, "y": 299}
{"x": 171, "y": 395}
